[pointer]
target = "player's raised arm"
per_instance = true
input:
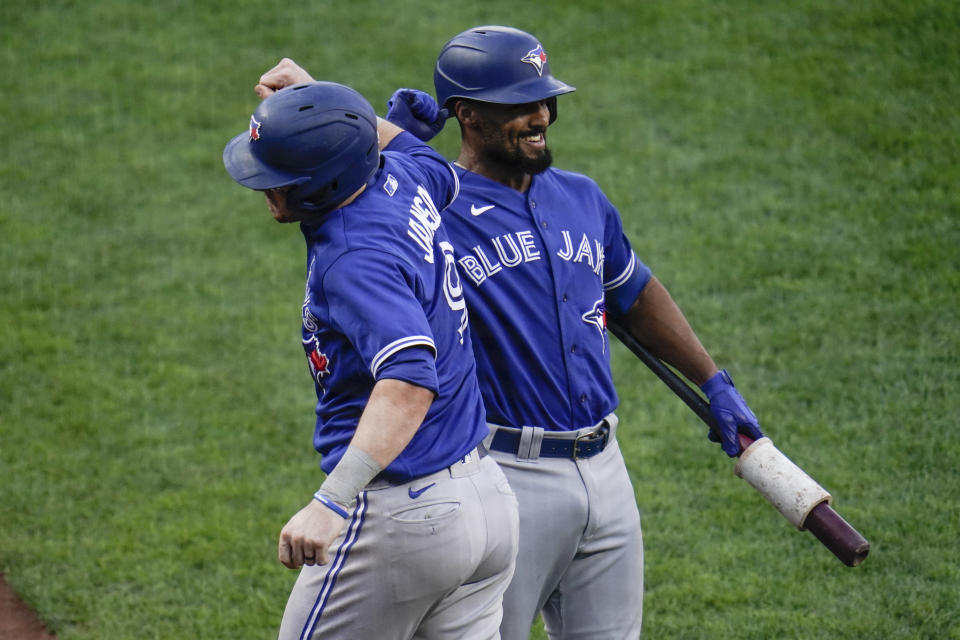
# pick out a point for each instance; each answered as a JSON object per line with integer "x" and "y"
{"x": 387, "y": 131}
{"x": 286, "y": 73}
{"x": 417, "y": 112}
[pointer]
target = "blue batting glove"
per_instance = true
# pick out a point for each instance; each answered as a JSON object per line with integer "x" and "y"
{"x": 731, "y": 412}
{"x": 417, "y": 112}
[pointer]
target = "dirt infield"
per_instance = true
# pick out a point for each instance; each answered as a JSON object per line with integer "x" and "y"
{"x": 17, "y": 620}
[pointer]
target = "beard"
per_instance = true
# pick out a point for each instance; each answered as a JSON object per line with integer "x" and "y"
{"x": 495, "y": 147}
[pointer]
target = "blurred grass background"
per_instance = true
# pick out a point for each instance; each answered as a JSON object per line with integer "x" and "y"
{"x": 789, "y": 170}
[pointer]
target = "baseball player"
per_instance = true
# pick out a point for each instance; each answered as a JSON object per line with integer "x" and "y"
{"x": 413, "y": 533}
{"x": 544, "y": 258}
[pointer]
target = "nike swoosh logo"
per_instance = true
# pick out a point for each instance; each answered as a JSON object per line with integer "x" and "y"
{"x": 416, "y": 494}
{"x": 475, "y": 210}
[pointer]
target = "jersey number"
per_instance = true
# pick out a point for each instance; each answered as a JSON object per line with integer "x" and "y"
{"x": 452, "y": 287}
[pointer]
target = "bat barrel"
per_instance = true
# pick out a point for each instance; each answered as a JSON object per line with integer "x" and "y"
{"x": 837, "y": 535}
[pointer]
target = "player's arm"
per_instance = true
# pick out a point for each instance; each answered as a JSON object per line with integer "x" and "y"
{"x": 386, "y": 131}
{"x": 287, "y": 73}
{"x": 656, "y": 321}
{"x": 401, "y": 354}
{"x": 392, "y": 416}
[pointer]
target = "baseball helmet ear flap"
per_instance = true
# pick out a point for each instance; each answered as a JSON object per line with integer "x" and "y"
{"x": 552, "y": 106}
{"x": 496, "y": 64}
{"x": 318, "y": 138}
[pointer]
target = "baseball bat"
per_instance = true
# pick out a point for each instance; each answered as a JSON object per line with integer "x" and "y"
{"x": 835, "y": 533}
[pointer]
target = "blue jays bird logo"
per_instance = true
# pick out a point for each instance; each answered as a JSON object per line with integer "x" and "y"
{"x": 318, "y": 361}
{"x": 536, "y": 57}
{"x": 254, "y": 129}
{"x": 597, "y": 317}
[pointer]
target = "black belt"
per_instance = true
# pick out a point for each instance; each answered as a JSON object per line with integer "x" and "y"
{"x": 584, "y": 446}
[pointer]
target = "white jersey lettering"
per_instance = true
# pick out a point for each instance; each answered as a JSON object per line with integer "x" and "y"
{"x": 453, "y": 288}
{"x": 488, "y": 267}
{"x": 424, "y": 222}
{"x": 529, "y": 245}
{"x": 584, "y": 251}
{"x": 600, "y": 256}
{"x": 567, "y": 252}
{"x": 472, "y": 269}
{"x": 514, "y": 249}
{"x": 594, "y": 257}
{"x": 515, "y": 257}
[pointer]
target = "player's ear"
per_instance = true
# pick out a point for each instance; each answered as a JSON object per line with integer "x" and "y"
{"x": 467, "y": 114}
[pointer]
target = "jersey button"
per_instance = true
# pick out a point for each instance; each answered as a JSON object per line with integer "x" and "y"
{"x": 544, "y": 224}
{"x": 583, "y": 398}
{"x": 564, "y": 297}
{"x": 573, "y": 349}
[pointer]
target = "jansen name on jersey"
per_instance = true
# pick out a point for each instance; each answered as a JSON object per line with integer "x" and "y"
{"x": 384, "y": 299}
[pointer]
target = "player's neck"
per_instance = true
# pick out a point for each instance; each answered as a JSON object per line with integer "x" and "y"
{"x": 504, "y": 174}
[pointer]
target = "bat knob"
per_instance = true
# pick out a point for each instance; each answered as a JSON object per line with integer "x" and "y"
{"x": 837, "y": 535}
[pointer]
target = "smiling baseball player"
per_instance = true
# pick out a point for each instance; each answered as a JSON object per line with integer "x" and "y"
{"x": 544, "y": 259}
{"x": 413, "y": 533}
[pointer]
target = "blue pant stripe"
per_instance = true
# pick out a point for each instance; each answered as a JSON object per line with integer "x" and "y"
{"x": 329, "y": 581}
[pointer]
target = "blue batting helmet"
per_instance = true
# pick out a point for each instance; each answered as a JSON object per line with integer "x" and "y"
{"x": 495, "y": 64}
{"x": 319, "y": 137}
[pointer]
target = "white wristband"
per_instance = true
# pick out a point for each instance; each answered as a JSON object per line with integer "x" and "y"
{"x": 354, "y": 471}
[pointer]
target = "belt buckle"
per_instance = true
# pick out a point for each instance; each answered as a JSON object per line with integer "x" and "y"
{"x": 603, "y": 431}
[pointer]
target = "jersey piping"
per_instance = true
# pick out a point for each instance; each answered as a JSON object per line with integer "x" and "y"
{"x": 398, "y": 345}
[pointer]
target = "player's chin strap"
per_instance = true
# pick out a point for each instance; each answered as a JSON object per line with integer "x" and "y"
{"x": 340, "y": 489}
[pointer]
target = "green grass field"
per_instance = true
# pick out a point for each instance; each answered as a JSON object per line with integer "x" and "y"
{"x": 789, "y": 171}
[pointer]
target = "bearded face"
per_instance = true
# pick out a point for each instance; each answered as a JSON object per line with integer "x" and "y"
{"x": 515, "y": 136}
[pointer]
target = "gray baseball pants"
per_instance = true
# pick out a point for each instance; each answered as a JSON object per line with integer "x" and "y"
{"x": 429, "y": 559}
{"x": 580, "y": 562}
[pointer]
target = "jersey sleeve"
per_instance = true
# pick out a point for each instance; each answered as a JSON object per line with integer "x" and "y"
{"x": 624, "y": 274}
{"x": 374, "y": 303}
{"x": 440, "y": 178}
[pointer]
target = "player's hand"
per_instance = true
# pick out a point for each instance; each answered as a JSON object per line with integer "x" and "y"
{"x": 286, "y": 74}
{"x": 307, "y": 537}
{"x": 731, "y": 412}
{"x": 417, "y": 112}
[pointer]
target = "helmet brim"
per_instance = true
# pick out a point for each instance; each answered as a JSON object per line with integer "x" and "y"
{"x": 521, "y": 93}
{"x": 251, "y": 172}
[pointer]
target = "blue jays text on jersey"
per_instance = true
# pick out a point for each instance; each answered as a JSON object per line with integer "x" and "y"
{"x": 541, "y": 268}
{"x": 384, "y": 300}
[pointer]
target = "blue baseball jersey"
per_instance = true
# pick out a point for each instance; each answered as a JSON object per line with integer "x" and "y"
{"x": 384, "y": 300}
{"x": 540, "y": 269}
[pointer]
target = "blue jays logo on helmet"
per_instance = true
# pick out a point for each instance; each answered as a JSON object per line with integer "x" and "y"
{"x": 319, "y": 138}
{"x": 496, "y": 64}
{"x": 537, "y": 57}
